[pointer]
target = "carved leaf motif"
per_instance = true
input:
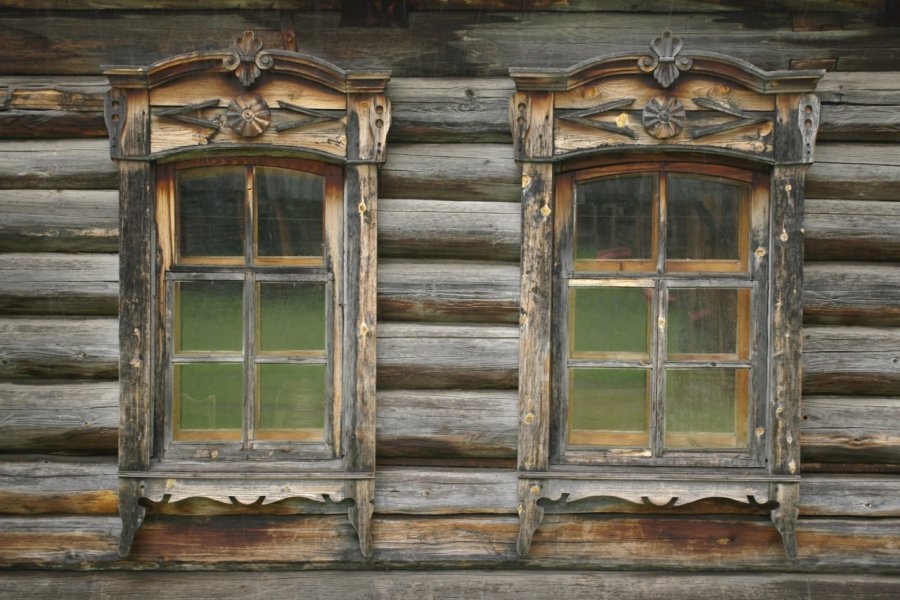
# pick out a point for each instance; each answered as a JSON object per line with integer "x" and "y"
{"x": 665, "y": 63}
{"x": 246, "y": 59}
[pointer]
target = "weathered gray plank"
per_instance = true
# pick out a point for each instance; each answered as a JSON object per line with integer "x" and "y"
{"x": 62, "y": 284}
{"x": 445, "y": 424}
{"x": 860, "y": 87}
{"x": 863, "y": 496}
{"x": 852, "y": 230}
{"x": 59, "y": 348}
{"x": 63, "y": 93}
{"x": 851, "y": 360}
{"x": 32, "y": 485}
{"x": 55, "y": 164}
{"x": 48, "y": 540}
{"x": 851, "y": 294}
{"x": 863, "y": 430}
{"x": 864, "y": 171}
{"x": 860, "y": 123}
{"x": 59, "y": 417}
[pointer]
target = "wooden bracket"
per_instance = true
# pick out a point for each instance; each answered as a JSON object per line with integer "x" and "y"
{"x": 360, "y": 514}
{"x": 530, "y": 513}
{"x": 784, "y": 517}
{"x": 131, "y": 512}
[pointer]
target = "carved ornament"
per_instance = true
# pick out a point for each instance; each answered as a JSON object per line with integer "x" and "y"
{"x": 664, "y": 117}
{"x": 247, "y": 60}
{"x": 664, "y": 62}
{"x": 248, "y": 115}
{"x": 581, "y": 117}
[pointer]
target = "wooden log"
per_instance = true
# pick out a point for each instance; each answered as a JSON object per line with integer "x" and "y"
{"x": 862, "y": 361}
{"x": 59, "y": 220}
{"x": 59, "y": 348}
{"x": 860, "y": 123}
{"x": 69, "y": 417}
{"x": 851, "y": 294}
{"x": 449, "y": 229}
{"x": 863, "y": 171}
{"x": 860, "y": 88}
{"x": 462, "y": 291}
{"x": 431, "y": 356}
{"x": 61, "y": 284}
{"x": 50, "y": 124}
{"x": 56, "y": 540}
{"x": 60, "y": 93}
{"x": 445, "y": 491}
{"x": 862, "y": 496}
{"x": 842, "y": 430}
{"x": 852, "y": 230}
{"x": 447, "y": 424}
{"x": 55, "y": 164}
{"x": 35, "y": 485}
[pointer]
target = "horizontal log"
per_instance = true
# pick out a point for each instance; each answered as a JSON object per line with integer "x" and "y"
{"x": 59, "y": 93}
{"x": 851, "y": 294}
{"x": 860, "y": 123}
{"x": 447, "y": 424}
{"x": 431, "y": 356}
{"x": 462, "y": 291}
{"x": 59, "y": 348}
{"x": 55, "y": 164}
{"x": 863, "y": 171}
{"x": 852, "y": 230}
{"x": 62, "y": 284}
{"x": 56, "y": 485}
{"x": 57, "y": 540}
{"x": 74, "y": 417}
{"x": 860, "y": 87}
{"x": 59, "y": 220}
{"x": 413, "y": 585}
{"x": 851, "y": 360}
{"x": 50, "y": 124}
{"x": 95, "y": 5}
{"x": 449, "y": 229}
{"x": 844, "y": 430}
{"x": 862, "y": 496}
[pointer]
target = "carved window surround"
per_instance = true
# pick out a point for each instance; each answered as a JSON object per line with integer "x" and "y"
{"x": 666, "y": 104}
{"x": 245, "y": 102}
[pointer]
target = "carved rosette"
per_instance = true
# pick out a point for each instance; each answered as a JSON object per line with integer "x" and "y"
{"x": 248, "y": 115}
{"x": 246, "y": 59}
{"x": 664, "y": 63}
{"x": 664, "y": 117}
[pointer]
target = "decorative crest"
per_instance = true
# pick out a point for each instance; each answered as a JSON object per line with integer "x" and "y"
{"x": 247, "y": 60}
{"x": 665, "y": 63}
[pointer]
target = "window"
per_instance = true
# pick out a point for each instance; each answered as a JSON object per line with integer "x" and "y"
{"x": 660, "y": 302}
{"x": 248, "y": 195}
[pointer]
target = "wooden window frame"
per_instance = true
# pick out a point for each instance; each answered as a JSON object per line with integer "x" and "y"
{"x": 621, "y": 113}
{"x": 270, "y": 108}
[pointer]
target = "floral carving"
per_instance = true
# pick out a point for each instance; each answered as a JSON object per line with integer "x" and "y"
{"x": 665, "y": 63}
{"x": 246, "y": 59}
{"x": 248, "y": 115}
{"x": 664, "y": 117}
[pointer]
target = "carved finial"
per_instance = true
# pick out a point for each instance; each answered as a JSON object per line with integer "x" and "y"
{"x": 665, "y": 63}
{"x": 246, "y": 59}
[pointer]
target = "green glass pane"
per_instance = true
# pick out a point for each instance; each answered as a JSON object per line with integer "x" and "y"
{"x": 210, "y": 209}
{"x": 609, "y": 319}
{"x": 290, "y": 212}
{"x": 702, "y": 321}
{"x": 291, "y": 317}
{"x": 291, "y": 397}
{"x": 209, "y": 396}
{"x": 612, "y": 400}
{"x": 208, "y": 316}
{"x": 702, "y": 407}
{"x": 704, "y": 217}
{"x": 614, "y": 218}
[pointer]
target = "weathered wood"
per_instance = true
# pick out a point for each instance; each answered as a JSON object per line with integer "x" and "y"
{"x": 864, "y": 171}
{"x": 860, "y": 123}
{"x": 73, "y": 417}
{"x": 59, "y": 348}
{"x": 851, "y": 294}
{"x": 429, "y": 356}
{"x": 862, "y": 496}
{"x": 79, "y": 164}
{"x": 852, "y": 230}
{"x": 860, "y": 88}
{"x": 851, "y": 360}
{"x": 50, "y": 124}
{"x": 449, "y": 229}
{"x": 61, "y": 284}
{"x": 447, "y": 424}
{"x": 48, "y": 540}
{"x": 462, "y": 291}
{"x": 33, "y": 485}
{"x": 838, "y": 430}
{"x": 60, "y": 93}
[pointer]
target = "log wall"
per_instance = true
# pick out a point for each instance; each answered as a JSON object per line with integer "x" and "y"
{"x": 448, "y": 280}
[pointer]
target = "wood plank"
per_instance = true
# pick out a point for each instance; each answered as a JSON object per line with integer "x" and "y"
{"x": 431, "y": 356}
{"x": 66, "y": 416}
{"x": 851, "y": 360}
{"x": 442, "y": 290}
{"x": 59, "y": 348}
{"x": 842, "y": 430}
{"x": 50, "y": 124}
{"x": 414, "y": 585}
{"x": 851, "y": 294}
{"x": 55, "y": 540}
{"x": 61, "y": 93}
{"x": 860, "y": 87}
{"x": 860, "y": 123}
{"x": 61, "y": 284}
{"x": 35, "y": 485}
{"x": 447, "y": 424}
{"x": 833, "y": 495}
{"x": 852, "y": 230}
{"x": 449, "y": 229}
{"x": 59, "y": 220}
{"x": 840, "y": 173}
{"x": 97, "y": 5}
{"x": 54, "y": 164}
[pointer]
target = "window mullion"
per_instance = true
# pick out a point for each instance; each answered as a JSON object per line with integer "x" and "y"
{"x": 657, "y": 370}
{"x": 250, "y": 308}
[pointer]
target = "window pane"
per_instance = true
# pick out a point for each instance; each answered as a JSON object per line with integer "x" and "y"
{"x": 211, "y": 211}
{"x": 704, "y": 217}
{"x": 291, "y": 317}
{"x": 704, "y": 321}
{"x": 610, "y": 402}
{"x": 291, "y": 205}
{"x": 209, "y": 397}
{"x": 291, "y": 397}
{"x": 614, "y": 218}
{"x": 609, "y": 320}
{"x": 706, "y": 408}
{"x": 208, "y": 316}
